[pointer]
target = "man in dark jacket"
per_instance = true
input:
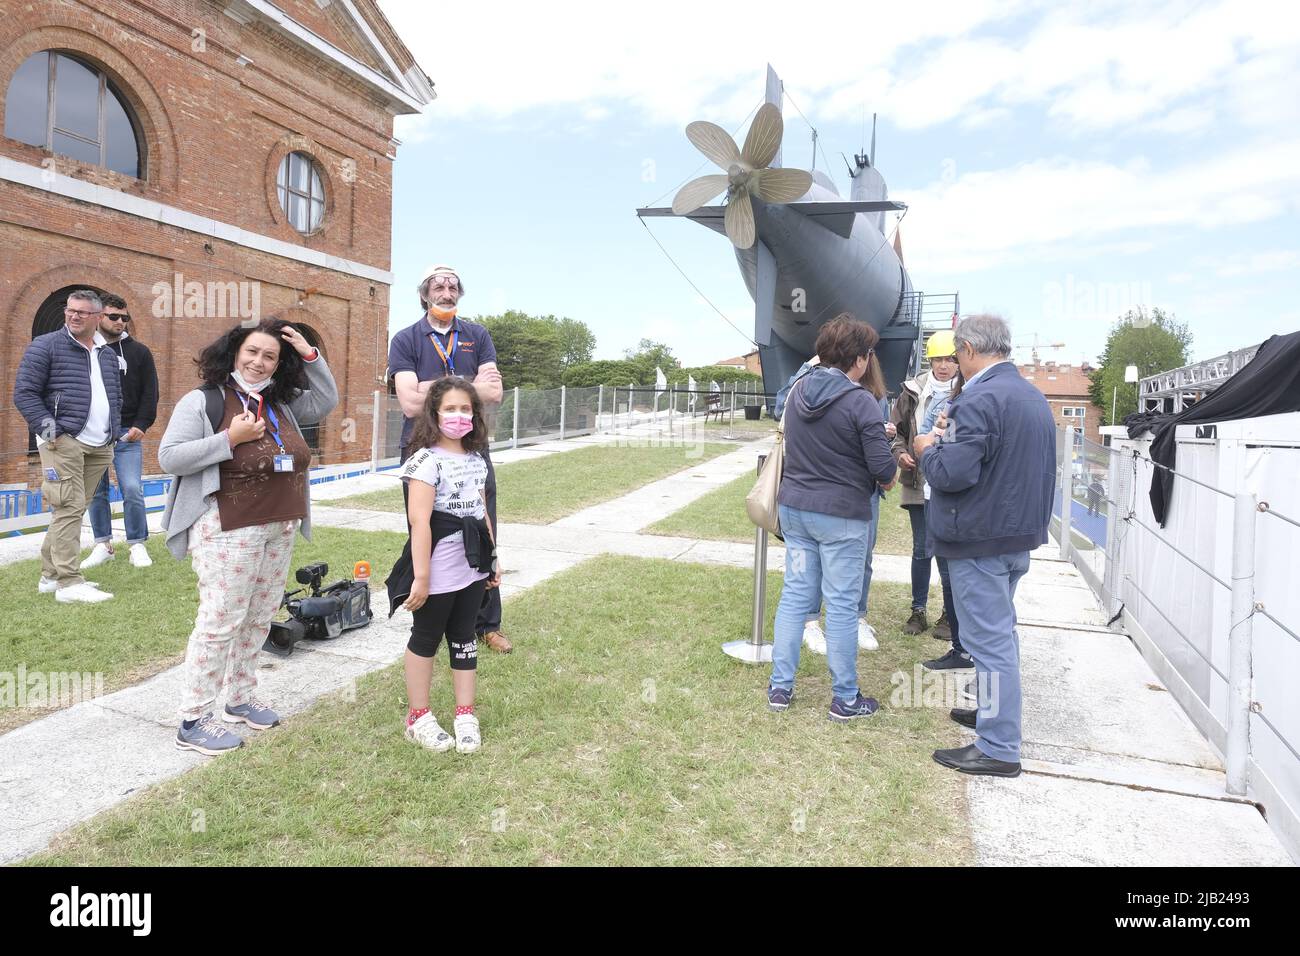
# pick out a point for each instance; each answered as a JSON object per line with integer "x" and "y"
{"x": 139, "y": 409}
{"x": 69, "y": 389}
{"x": 991, "y": 478}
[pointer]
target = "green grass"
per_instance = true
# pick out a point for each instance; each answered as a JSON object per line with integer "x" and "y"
{"x": 546, "y": 489}
{"x": 617, "y": 733}
{"x": 720, "y": 516}
{"x": 144, "y": 629}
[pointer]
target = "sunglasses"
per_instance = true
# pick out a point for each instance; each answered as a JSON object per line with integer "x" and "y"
{"x": 117, "y": 317}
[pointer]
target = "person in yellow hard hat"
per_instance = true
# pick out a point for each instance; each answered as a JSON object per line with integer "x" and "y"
{"x": 915, "y": 398}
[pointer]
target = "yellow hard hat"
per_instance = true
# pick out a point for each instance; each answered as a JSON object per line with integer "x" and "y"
{"x": 941, "y": 344}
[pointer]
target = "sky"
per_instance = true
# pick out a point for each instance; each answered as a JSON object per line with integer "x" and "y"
{"x": 1061, "y": 164}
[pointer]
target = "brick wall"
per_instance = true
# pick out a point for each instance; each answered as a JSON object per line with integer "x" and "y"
{"x": 215, "y": 132}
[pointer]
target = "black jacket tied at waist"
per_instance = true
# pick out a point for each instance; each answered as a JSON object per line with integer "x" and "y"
{"x": 479, "y": 552}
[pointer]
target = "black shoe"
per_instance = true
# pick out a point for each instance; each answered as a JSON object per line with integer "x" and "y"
{"x": 954, "y": 660}
{"x": 942, "y": 630}
{"x": 964, "y": 716}
{"x": 916, "y": 623}
{"x": 973, "y": 761}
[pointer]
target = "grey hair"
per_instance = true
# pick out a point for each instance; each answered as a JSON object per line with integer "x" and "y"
{"x": 88, "y": 295}
{"x": 423, "y": 289}
{"x": 985, "y": 334}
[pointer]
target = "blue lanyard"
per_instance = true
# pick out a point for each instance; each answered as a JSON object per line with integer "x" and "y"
{"x": 270, "y": 417}
{"x": 448, "y": 357}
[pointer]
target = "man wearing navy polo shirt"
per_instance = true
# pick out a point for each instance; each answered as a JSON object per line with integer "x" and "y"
{"x": 438, "y": 345}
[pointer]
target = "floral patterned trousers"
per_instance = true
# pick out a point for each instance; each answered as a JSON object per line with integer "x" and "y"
{"x": 241, "y": 582}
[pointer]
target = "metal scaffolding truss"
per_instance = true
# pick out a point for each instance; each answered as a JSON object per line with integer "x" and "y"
{"x": 1179, "y": 388}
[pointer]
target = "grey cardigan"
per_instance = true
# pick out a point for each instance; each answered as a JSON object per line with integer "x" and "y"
{"x": 192, "y": 453}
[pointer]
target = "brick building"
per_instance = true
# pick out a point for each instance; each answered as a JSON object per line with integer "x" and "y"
{"x": 1066, "y": 388}
{"x": 210, "y": 161}
{"x": 745, "y": 363}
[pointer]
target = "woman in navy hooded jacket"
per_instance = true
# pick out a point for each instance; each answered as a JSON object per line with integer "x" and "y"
{"x": 836, "y": 458}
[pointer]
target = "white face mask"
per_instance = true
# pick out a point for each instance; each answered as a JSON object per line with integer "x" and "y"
{"x": 251, "y": 389}
{"x": 939, "y": 386}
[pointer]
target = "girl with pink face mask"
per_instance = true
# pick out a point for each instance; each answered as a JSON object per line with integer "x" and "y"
{"x": 449, "y": 560}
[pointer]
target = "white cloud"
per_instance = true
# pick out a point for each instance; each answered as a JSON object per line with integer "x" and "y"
{"x": 1090, "y": 66}
{"x": 1254, "y": 263}
{"x": 1055, "y": 208}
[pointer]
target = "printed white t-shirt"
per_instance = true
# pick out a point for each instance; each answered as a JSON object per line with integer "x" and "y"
{"x": 458, "y": 482}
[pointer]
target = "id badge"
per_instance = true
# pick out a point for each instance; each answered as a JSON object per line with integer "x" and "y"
{"x": 51, "y": 475}
{"x": 284, "y": 462}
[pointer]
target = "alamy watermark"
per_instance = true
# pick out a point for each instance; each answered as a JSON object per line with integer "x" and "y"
{"x": 40, "y": 690}
{"x": 207, "y": 300}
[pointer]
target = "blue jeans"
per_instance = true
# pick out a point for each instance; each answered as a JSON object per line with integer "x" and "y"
{"x": 920, "y": 558}
{"x": 984, "y": 592}
{"x": 949, "y": 608}
{"x": 824, "y": 555}
{"x": 128, "y": 463}
{"x": 815, "y": 611}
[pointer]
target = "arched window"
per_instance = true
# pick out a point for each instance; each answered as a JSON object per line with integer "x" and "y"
{"x": 69, "y": 107}
{"x": 302, "y": 195}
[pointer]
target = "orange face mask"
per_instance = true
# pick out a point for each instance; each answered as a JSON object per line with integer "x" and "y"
{"x": 442, "y": 315}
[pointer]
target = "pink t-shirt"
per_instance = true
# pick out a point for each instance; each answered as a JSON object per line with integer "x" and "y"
{"x": 458, "y": 481}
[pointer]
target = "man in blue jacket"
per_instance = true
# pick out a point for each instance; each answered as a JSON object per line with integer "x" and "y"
{"x": 69, "y": 389}
{"x": 991, "y": 476}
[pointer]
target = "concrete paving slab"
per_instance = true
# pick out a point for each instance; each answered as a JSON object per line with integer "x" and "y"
{"x": 1038, "y": 820}
{"x": 1095, "y": 693}
{"x": 649, "y": 503}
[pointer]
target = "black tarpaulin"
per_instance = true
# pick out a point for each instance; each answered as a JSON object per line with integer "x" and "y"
{"x": 1269, "y": 385}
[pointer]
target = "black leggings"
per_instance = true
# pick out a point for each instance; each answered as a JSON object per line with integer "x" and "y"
{"x": 452, "y": 614}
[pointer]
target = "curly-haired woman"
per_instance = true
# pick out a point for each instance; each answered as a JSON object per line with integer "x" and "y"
{"x": 240, "y": 493}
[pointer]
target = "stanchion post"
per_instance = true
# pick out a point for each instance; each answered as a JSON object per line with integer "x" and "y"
{"x": 1067, "y": 490}
{"x": 563, "y": 397}
{"x": 1240, "y": 638}
{"x": 754, "y": 651}
{"x": 514, "y": 435}
{"x": 376, "y": 418}
{"x": 600, "y": 404}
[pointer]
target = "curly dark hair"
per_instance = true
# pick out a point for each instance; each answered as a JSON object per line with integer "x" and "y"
{"x": 217, "y": 361}
{"x": 425, "y": 434}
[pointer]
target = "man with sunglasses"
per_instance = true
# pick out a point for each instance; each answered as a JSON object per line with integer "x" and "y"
{"x": 139, "y": 409}
{"x": 442, "y": 344}
{"x": 69, "y": 390}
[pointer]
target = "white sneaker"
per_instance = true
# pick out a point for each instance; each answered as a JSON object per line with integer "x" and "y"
{"x": 47, "y": 585}
{"x": 140, "y": 556}
{"x": 426, "y": 732}
{"x": 98, "y": 556}
{"x": 814, "y": 638}
{"x": 867, "y": 636}
{"x": 81, "y": 592}
{"x": 468, "y": 739}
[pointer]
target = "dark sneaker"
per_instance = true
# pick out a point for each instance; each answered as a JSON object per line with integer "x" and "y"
{"x": 954, "y": 660}
{"x": 255, "y": 713}
{"x": 207, "y": 736}
{"x": 942, "y": 630}
{"x": 778, "y": 699}
{"x": 964, "y": 716}
{"x": 844, "y": 711}
{"x": 916, "y": 623}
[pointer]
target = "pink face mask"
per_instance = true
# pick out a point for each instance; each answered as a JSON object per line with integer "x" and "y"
{"x": 456, "y": 426}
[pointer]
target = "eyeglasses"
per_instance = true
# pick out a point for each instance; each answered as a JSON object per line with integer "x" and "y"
{"x": 448, "y": 282}
{"x": 81, "y": 313}
{"x": 117, "y": 317}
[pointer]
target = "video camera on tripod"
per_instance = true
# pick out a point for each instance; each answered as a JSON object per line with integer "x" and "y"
{"x": 323, "y": 613}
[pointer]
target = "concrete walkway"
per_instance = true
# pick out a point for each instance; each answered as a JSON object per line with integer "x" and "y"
{"x": 1115, "y": 772}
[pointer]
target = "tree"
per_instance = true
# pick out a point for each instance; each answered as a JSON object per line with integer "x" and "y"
{"x": 652, "y": 355}
{"x": 577, "y": 342}
{"x": 1154, "y": 342}
{"x": 534, "y": 351}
